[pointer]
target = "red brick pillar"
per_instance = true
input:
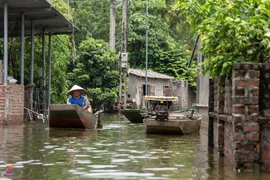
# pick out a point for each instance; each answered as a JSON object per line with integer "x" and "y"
{"x": 245, "y": 111}
{"x": 220, "y": 110}
{"x": 211, "y": 110}
{"x": 2, "y": 104}
{"x": 265, "y": 116}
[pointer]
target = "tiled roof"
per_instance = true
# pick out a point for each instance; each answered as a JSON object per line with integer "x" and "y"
{"x": 150, "y": 74}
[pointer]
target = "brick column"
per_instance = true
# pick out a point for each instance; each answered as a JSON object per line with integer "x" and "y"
{"x": 211, "y": 109}
{"x": 220, "y": 110}
{"x": 265, "y": 116}
{"x": 11, "y": 104}
{"x": 2, "y": 104}
{"x": 245, "y": 110}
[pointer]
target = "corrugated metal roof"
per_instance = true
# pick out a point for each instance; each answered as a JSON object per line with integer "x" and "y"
{"x": 150, "y": 74}
{"x": 40, "y": 12}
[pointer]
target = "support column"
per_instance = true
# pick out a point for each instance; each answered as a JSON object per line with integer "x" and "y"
{"x": 146, "y": 50}
{"x": 5, "y": 42}
{"x": 6, "y": 60}
{"x": 43, "y": 73}
{"x": 32, "y": 62}
{"x": 22, "y": 49}
{"x": 50, "y": 69}
{"x": 245, "y": 111}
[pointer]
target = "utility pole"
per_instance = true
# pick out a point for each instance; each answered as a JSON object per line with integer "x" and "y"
{"x": 112, "y": 25}
{"x": 123, "y": 58}
{"x": 124, "y": 26}
{"x": 146, "y": 50}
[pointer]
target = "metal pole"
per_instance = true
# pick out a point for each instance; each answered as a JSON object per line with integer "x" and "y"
{"x": 43, "y": 73}
{"x": 146, "y": 50}
{"x": 32, "y": 62}
{"x": 5, "y": 42}
{"x": 22, "y": 49}
{"x": 50, "y": 69}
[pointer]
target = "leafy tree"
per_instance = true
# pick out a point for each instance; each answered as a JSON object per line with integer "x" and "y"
{"x": 168, "y": 51}
{"x": 93, "y": 19}
{"x": 96, "y": 70}
{"x": 231, "y": 31}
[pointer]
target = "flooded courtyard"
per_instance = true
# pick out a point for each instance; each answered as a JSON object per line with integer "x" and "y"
{"x": 121, "y": 150}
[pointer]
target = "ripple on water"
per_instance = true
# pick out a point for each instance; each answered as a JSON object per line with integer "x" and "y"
{"x": 116, "y": 175}
{"x": 102, "y": 166}
{"x": 146, "y": 156}
{"x": 60, "y": 149}
{"x": 50, "y": 147}
{"x": 105, "y": 170}
{"x": 97, "y": 157}
{"x": 81, "y": 155}
{"x": 99, "y": 151}
{"x": 72, "y": 150}
{"x": 89, "y": 148}
{"x": 15, "y": 166}
{"x": 84, "y": 162}
{"x": 119, "y": 155}
{"x": 3, "y": 166}
{"x": 161, "y": 169}
{"x": 48, "y": 164}
{"x": 119, "y": 160}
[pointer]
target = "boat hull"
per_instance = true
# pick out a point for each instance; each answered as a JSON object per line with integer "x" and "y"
{"x": 133, "y": 115}
{"x": 177, "y": 123}
{"x": 70, "y": 116}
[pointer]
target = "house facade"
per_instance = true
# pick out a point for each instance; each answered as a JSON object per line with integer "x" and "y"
{"x": 157, "y": 85}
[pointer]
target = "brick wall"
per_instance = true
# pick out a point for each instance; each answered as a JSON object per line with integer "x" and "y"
{"x": 12, "y": 108}
{"x": 241, "y": 116}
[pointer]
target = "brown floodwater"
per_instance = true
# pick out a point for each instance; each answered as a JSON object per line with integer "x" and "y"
{"x": 121, "y": 150}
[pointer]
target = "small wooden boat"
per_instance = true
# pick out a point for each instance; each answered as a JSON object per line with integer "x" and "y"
{"x": 177, "y": 123}
{"x": 164, "y": 121}
{"x": 133, "y": 115}
{"x": 70, "y": 116}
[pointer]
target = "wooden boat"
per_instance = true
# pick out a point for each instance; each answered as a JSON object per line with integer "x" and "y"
{"x": 70, "y": 116}
{"x": 133, "y": 115}
{"x": 171, "y": 122}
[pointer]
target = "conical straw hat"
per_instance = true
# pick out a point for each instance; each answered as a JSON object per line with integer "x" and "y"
{"x": 76, "y": 88}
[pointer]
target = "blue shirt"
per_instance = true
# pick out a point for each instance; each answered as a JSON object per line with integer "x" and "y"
{"x": 81, "y": 101}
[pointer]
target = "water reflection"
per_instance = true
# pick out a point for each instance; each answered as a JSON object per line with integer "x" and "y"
{"x": 120, "y": 150}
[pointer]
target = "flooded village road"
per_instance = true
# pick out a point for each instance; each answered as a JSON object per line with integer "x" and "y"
{"x": 120, "y": 150}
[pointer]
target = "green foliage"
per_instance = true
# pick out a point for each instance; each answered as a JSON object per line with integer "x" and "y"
{"x": 93, "y": 19}
{"x": 62, "y": 6}
{"x": 96, "y": 70}
{"x": 231, "y": 31}
{"x": 168, "y": 51}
